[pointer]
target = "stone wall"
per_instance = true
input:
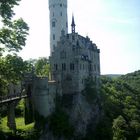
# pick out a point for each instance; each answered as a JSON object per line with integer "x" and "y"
{"x": 43, "y": 95}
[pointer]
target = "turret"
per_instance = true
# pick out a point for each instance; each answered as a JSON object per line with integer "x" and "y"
{"x": 58, "y": 21}
{"x": 73, "y": 25}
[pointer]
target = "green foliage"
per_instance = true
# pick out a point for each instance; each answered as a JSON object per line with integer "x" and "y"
{"x": 6, "y": 8}
{"x": 59, "y": 124}
{"x": 121, "y": 98}
{"x": 12, "y": 69}
{"x": 90, "y": 91}
{"x": 13, "y": 33}
{"x": 119, "y": 128}
{"x": 42, "y": 67}
{"x": 23, "y": 132}
{"x": 19, "y": 110}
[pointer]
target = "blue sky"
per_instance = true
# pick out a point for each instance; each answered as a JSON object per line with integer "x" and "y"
{"x": 114, "y": 25}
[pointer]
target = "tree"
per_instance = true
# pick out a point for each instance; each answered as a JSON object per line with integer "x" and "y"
{"x": 42, "y": 67}
{"x": 13, "y": 35}
{"x": 12, "y": 68}
{"x": 14, "y": 32}
{"x": 119, "y": 128}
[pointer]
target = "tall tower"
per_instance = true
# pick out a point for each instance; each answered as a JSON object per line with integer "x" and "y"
{"x": 58, "y": 21}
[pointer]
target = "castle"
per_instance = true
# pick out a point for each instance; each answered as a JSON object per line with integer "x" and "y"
{"x": 73, "y": 59}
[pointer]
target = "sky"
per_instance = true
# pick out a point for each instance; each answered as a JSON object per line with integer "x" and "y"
{"x": 114, "y": 25}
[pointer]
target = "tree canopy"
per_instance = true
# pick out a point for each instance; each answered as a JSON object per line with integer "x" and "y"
{"x": 13, "y": 34}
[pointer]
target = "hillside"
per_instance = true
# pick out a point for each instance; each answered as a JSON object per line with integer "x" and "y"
{"x": 121, "y": 105}
{"x": 133, "y": 79}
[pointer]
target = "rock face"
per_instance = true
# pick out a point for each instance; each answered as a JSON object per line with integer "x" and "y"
{"x": 82, "y": 114}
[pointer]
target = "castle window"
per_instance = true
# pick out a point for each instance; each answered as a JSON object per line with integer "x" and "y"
{"x": 95, "y": 67}
{"x": 53, "y": 14}
{"x": 66, "y": 24}
{"x": 61, "y": 14}
{"x": 53, "y": 36}
{"x": 60, "y": 5}
{"x": 67, "y": 36}
{"x": 63, "y": 66}
{"x": 71, "y": 66}
{"x": 53, "y": 46}
{"x": 90, "y": 67}
{"x": 55, "y": 66}
{"x": 53, "y": 24}
{"x": 83, "y": 66}
{"x": 73, "y": 37}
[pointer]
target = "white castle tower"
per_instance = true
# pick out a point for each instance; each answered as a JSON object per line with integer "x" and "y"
{"x": 58, "y": 21}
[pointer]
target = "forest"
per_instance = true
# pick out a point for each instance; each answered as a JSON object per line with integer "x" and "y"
{"x": 121, "y": 106}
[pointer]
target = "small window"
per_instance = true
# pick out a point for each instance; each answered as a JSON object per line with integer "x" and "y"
{"x": 95, "y": 67}
{"x": 55, "y": 66}
{"x": 83, "y": 66}
{"x": 53, "y": 14}
{"x": 61, "y": 14}
{"x": 63, "y": 66}
{"x": 73, "y": 37}
{"x": 90, "y": 67}
{"x": 71, "y": 66}
{"x": 66, "y": 24}
{"x": 67, "y": 36}
{"x": 53, "y": 36}
{"x": 53, "y": 24}
{"x": 60, "y": 5}
{"x": 53, "y": 46}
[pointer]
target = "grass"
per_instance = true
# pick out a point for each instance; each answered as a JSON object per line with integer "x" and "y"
{"x": 22, "y": 129}
{"x": 19, "y": 123}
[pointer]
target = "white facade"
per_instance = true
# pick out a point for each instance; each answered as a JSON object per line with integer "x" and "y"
{"x": 58, "y": 21}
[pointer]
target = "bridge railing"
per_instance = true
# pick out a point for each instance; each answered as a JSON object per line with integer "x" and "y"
{"x": 7, "y": 98}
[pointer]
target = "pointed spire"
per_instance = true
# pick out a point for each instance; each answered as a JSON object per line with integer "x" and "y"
{"x": 73, "y": 25}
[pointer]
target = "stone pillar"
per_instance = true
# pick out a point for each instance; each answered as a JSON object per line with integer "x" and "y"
{"x": 11, "y": 123}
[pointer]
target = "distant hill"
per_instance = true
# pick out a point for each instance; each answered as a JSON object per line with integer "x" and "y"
{"x": 112, "y": 75}
{"x": 133, "y": 79}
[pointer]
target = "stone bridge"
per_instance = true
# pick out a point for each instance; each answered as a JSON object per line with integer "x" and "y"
{"x": 14, "y": 95}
